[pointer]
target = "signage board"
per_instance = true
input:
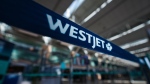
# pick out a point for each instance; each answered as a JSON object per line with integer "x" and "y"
{"x": 33, "y": 17}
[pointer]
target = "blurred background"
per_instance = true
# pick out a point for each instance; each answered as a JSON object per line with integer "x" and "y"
{"x": 29, "y": 58}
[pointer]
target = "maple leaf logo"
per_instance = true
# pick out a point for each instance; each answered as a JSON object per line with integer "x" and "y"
{"x": 108, "y": 46}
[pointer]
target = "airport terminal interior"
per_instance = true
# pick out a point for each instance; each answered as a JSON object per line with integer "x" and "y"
{"x": 28, "y": 57}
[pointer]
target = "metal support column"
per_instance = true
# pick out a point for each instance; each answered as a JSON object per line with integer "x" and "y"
{"x": 43, "y": 60}
{"x": 129, "y": 75}
{"x": 143, "y": 69}
{"x": 71, "y": 71}
{"x": 88, "y": 74}
{"x": 95, "y": 78}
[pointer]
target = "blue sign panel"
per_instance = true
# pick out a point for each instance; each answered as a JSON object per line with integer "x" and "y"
{"x": 31, "y": 16}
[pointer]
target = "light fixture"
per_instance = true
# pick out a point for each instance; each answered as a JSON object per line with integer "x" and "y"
{"x": 96, "y": 11}
{"x": 71, "y": 47}
{"x": 46, "y": 39}
{"x": 74, "y": 5}
{"x": 4, "y": 27}
{"x": 85, "y": 51}
{"x": 135, "y": 43}
{"x": 96, "y": 54}
{"x": 140, "y": 50}
{"x": 103, "y": 5}
{"x": 127, "y": 32}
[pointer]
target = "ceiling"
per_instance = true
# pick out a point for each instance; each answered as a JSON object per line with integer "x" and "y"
{"x": 59, "y": 6}
{"x": 115, "y": 18}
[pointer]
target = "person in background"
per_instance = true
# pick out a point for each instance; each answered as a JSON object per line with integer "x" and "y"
{"x": 45, "y": 52}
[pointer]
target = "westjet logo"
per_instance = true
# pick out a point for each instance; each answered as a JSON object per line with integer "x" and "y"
{"x": 78, "y": 34}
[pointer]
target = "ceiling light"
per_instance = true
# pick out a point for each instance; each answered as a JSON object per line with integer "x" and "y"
{"x": 71, "y": 47}
{"x": 4, "y": 27}
{"x": 140, "y": 50}
{"x": 135, "y": 43}
{"x": 46, "y": 39}
{"x": 140, "y": 55}
{"x": 96, "y": 54}
{"x": 89, "y": 17}
{"x": 148, "y": 22}
{"x": 103, "y": 5}
{"x": 85, "y": 51}
{"x": 127, "y": 32}
{"x": 96, "y": 11}
{"x": 108, "y": 1}
{"x": 74, "y": 5}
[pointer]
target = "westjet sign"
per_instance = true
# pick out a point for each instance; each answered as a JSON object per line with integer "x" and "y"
{"x": 79, "y": 34}
{"x": 30, "y": 16}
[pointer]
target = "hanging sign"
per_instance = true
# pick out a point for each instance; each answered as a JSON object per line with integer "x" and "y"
{"x": 31, "y": 16}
